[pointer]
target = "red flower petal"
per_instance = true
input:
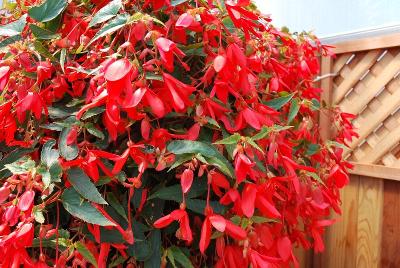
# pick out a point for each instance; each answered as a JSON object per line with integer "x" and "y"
{"x": 218, "y": 222}
{"x": 186, "y": 180}
{"x": 284, "y": 246}
{"x": 235, "y": 231}
{"x": 219, "y": 63}
{"x": 248, "y": 198}
{"x": 26, "y": 200}
{"x": 205, "y": 235}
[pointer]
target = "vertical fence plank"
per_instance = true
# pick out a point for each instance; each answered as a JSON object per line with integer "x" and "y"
{"x": 369, "y": 224}
{"x": 391, "y": 225}
{"x": 341, "y": 238}
{"x": 326, "y": 84}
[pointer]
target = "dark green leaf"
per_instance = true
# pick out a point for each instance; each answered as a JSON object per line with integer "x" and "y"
{"x": 63, "y": 55}
{"x": 69, "y": 152}
{"x": 41, "y": 33}
{"x": 115, "y": 204}
{"x": 85, "y": 252}
{"x": 21, "y": 166}
{"x": 92, "y": 112}
{"x": 117, "y": 23}
{"x": 49, "y": 156}
{"x": 315, "y": 105}
{"x": 107, "y": 12}
{"x": 232, "y": 139}
{"x": 8, "y": 41}
{"x": 279, "y": 102}
{"x": 180, "y": 159}
{"x": 152, "y": 76}
{"x": 177, "y": 2}
{"x": 47, "y": 11}
{"x": 315, "y": 177}
{"x": 94, "y": 131}
{"x": 83, "y": 185}
{"x": 198, "y": 206}
{"x": 174, "y": 192}
{"x": 140, "y": 250}
{"x": 259, "y": 219}
{"x": 294, "y": 109}
{"x": 312, "y": 149}
{"x": 82, "y": 209}
{"x": 39, "y": 47}
{"x": 155, "y": 259}
{"x": 11, "y": 158}
{"x": 180, "y": 257}
{"x": 205, "y": 149}
{"x": 13, "y": 28}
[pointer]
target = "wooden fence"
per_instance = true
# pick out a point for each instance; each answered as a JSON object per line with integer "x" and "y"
{"x": 366, "y": 81}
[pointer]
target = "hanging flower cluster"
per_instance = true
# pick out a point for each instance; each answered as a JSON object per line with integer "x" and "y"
{"x": 161, "y": 133}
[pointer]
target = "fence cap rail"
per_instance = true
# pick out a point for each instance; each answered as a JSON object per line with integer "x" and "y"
{"x": 376, "y": 42}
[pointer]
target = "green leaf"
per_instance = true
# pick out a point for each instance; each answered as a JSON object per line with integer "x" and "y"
{"x": 232, "y": 139}
{"x": 48, "y": 155}
{"x": 93, "y": 112}
{"x": 11, "y": 158}
{"x": 8, "y": 41}
{"x": 180, "y": 257}
{"x": 82, "y": 209}
{"x": 115, "y": 204}
{"x": 83, "y": 185}
{"x": 85, "y": 252}
{"x": 278, "y": 103}
{"x": 140, "y": 250}
{"x": 38, "y": 214}
{"x": 315, "y": 105}
{"x": 107, "y": 12}
{"x": 21, "y": 166}
{"x": 171, "y": 258}
{"x": 69, "y": 152}
{"x": 198, "y": 206}
{"x": 315, "y": 177}
{"x": 312, "y": 149}
{"x": 47, "y": 11}
{"x": 254, "y": 144}
{"x": 177, "y": 2}
{"x": 174, "y": 192}
{"x": 94, "y": 131}
{"x": 294, "y": 109}
{"x": 180, "y": 159}
{"x": 117, "y": 23}
{"x": 41, "y": 33}
{"x": 39, "y": 47}
{"x": 13, "y": 28}
{"x": 155, "y": 259}
{"x": 264, "y": 132}
{"x": 207, "y": 150}
{"x": 63, "y": 55}
{"x": 152, "y": 76}
{"x": 260, "y": 220}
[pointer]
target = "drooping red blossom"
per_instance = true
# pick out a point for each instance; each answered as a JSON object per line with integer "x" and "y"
{"x": 136, "y": 132}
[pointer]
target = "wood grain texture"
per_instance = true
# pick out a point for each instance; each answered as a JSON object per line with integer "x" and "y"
{"x": 341, "y": 238}
{"x": 324, "y": 120}
{"x": 369, "y": 222}
{"x": 391, "y": 40}
{"x": 391, "y": 225}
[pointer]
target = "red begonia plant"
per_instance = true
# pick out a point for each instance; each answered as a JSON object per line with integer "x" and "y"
{"x": 161, "y": 133}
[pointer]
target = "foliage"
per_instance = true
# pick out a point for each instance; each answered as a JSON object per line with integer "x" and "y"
{"x": 161, "y": 133}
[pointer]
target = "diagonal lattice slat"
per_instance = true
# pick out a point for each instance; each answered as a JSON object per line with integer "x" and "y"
{"x": 367, "y": 83}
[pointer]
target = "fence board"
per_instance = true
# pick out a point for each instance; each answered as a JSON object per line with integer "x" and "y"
{"x": 367, "y": 83}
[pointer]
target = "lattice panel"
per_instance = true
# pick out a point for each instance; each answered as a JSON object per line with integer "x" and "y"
{"x": 367, "y": 84}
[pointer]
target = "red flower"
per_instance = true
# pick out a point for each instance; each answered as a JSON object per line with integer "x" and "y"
{"x": 167, "y": 49}
{"x": 4, "y": 76}
{"x": 184, "y": 232}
